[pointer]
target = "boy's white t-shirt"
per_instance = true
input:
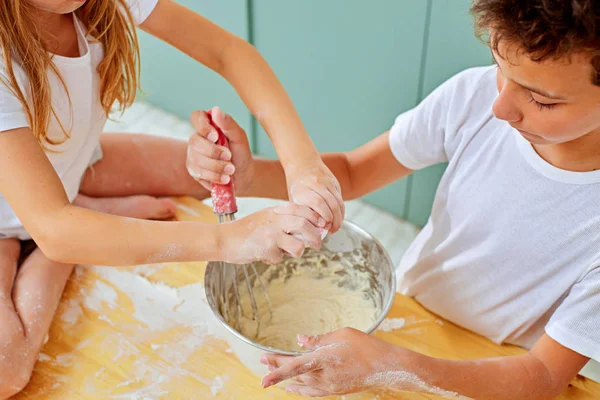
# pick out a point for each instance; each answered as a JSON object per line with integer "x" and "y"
{"x": 84, "y": 118}
{"x": 512, "y": 247}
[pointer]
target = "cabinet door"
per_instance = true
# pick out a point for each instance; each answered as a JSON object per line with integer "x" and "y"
{"x": 350, "y": 68}
{"x": 179, "y": 84}
{"x": 451, "y": 48}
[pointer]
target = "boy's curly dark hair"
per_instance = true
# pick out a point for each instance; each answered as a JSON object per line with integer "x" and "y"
{"x": 543, "y": 28}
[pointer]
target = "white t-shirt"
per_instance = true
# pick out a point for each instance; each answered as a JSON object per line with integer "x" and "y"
{"x": 84, "y": 118}
{"x": 512, "y": 247}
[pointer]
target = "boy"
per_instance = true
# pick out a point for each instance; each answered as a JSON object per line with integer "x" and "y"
{"x": 512, "y": 248}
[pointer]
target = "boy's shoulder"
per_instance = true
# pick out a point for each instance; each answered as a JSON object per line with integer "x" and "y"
{"x": 466, "y": 99}
{"x": 472, "y": 84}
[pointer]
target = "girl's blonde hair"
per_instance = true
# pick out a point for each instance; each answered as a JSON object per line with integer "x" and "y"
{"x": 108, "y": 21}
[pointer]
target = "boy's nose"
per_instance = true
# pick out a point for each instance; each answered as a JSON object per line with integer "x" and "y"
{"x": 505, "y": 109}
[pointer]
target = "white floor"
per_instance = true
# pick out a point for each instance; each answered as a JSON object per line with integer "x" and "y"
{"x": 394, "y": 233}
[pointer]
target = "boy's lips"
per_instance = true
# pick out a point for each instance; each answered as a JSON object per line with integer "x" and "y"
{"x": 525, "y": 133}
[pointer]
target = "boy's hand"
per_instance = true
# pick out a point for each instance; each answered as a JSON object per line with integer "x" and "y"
{"x": 316, "y": 187}
{"x": 312, "y": 185}
{"x": 342, "y": 362}
{"x": 270, "y": 234}
{"x": 209, "y": 163}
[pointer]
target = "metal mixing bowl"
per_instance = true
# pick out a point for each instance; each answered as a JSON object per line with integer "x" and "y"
{"x": 350, "y": 238}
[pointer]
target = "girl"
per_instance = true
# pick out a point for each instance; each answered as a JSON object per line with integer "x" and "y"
{"x": 64, "y": 65}
{"x": 512, "y": 248}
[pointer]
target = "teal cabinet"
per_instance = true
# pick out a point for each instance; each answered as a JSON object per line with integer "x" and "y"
{"x": 349, "y": 68}
{"x": 178, "y": 83}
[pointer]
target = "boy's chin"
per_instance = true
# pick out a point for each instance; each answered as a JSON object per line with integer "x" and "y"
{"x": 534, "y": 139}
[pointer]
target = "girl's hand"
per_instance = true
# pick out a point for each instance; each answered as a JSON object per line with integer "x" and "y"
{"x": 342, "y": 362}
{"x": 314, "y": 186}
{"x": 269, "y": 234}
{"x": 209, "y": 163}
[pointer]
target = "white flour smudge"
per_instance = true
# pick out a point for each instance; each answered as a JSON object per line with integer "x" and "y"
{"x": 217, "y": 385}
{"x": 403, "y": 381}
{"x": 101, "y": 292}
{"x": 72, "y": 312}
{"x": 174, "y": 323}
{"x": 391, "y": 324}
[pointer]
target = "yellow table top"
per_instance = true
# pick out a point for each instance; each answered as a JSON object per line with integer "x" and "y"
{"x": 137, "y": 333}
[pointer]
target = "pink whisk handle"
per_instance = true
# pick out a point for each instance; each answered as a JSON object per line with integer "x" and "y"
{"x": 223, "y": 196}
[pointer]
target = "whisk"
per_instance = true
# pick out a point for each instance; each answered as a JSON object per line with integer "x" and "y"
{"x": 225, "y": 206}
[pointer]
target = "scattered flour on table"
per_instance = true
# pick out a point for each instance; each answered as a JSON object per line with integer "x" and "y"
{"x": 72, "y": 312}
{"x": 391, "y": 324}
{"x": 217, "y": 385}
{"x": 159, "y": 310}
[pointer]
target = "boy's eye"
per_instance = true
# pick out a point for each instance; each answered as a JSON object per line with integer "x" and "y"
{"x": 542, "y": 106}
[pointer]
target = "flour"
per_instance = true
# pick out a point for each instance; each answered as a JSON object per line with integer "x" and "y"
{"x": 319, "y": 296}
{"x": 100, "y": 292}
{"x": 217, "y": 385}
{"x": 408, "y": 382}
{"x": 169, "y": 252}
{"x": 64, "y": 360}
{"x": 391, "y": 324}
{"x": 173, "y": 322}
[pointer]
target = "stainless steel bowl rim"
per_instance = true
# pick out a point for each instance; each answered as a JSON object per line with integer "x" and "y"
{"x": 268, "y": 349}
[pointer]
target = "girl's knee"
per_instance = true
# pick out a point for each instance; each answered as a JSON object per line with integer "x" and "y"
{"x": 16, "y": 368}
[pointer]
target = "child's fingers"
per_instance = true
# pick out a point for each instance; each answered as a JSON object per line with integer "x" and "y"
{"x": 334, "y": 206}
{"x": 298, "y": 366}
{"x": 275, "y": 360}
{"x": 301, "y": 211}
{"x": 216, "y": 166}
{"x": 307, "y": 391}
{"x": 206, "y": 184}
{"x": 304, "y": 230}
{"x": 291, "y": 245}
{"x": 229, "y": 126}
{"x": 202, "y": 174}
{"x": 315, "y": 342}
{"x": 273, "y": 256}
{"x": 201, "y": 167}
{"x": 203, "y": 146}
{"x": 202, "y": 126}
{"x": 312, "y": 199}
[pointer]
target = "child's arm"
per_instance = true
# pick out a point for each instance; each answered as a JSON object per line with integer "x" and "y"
{"x": 359, "y": 172}
{"x": 71, "y": 234}
{"x": 243, "y": 66}
{"x": 350, "y": 361}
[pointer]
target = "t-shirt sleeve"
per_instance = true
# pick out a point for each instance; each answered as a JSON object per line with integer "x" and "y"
{"x": 428, "y": 134}
{"x": 141, "y": 9}
{"x": 576, "y": 322}
{"x": 12, "y": 112}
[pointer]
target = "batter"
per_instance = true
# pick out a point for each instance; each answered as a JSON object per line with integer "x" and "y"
{"x": 318, "y": 294}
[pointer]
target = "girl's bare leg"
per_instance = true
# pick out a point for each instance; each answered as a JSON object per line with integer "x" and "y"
{"x": 134, "y": 165}
{"x": 29, "y": 297}
{"x": 135, "y": 172}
